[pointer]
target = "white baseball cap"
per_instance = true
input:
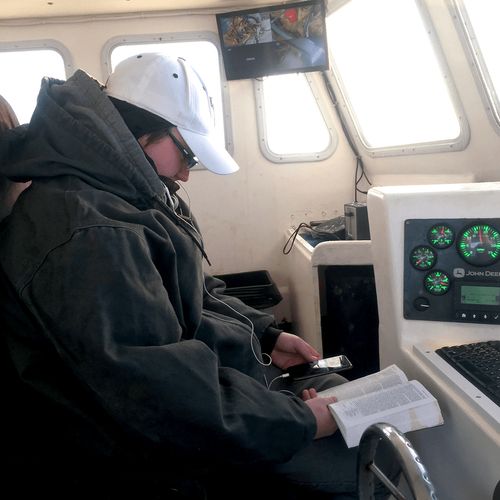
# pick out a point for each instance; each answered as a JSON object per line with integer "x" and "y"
{"x": 170, "y": 88}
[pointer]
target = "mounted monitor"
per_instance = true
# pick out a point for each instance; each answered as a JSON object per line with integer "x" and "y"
{"x": 285, "y": 38}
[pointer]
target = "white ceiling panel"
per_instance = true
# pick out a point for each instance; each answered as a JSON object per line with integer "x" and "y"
{"x": 15, "y": 9}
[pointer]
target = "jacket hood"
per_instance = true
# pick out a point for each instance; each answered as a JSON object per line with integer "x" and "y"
{"x": 75, "y": 130}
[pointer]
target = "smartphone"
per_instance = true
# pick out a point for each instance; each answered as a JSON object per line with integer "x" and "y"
{"x": 319, "y": 367}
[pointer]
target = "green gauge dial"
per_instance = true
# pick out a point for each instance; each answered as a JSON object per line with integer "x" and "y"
{"x": 437, "y": 282}
{"x": 422, "y": 257}
{"x": 479, "y": 245}
{"x": 441, "y": 236}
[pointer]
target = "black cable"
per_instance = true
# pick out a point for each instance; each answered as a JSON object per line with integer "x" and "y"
{"x": 357, "y": 180}
{"x": 322, "y": 230}
{"x": 293, "y": 237}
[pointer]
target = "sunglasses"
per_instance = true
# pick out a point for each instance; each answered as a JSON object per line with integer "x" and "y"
{"x": 190, "y": 158}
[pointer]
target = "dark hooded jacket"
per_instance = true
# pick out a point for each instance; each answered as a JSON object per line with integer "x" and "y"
{"x": 109, "y": 315}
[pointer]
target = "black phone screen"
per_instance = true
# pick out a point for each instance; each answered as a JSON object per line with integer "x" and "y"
{"x": 319, "y": 367}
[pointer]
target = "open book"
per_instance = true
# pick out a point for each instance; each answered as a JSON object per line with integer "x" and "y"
{"x": 386, "y": 396}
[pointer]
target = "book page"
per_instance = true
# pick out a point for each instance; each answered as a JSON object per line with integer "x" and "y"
{"x": 388, "y": 377}
{"x": 409, "y": 406}
{"x": 410, "y": 394}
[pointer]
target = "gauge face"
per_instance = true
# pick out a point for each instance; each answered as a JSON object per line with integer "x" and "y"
{"x": 479, "y": 245}
{"x": 422, "y": 257}
{"x": 437, "y": 282}
{"x": 441, "y": 236}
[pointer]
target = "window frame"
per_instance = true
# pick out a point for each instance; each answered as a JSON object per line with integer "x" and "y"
{"x": 485, "y": 86}
{"x": 198, "y": 36}
{"x": 42, "y": 44}
{"x": 457, "y": 144}
{"x": 293, "y": 157}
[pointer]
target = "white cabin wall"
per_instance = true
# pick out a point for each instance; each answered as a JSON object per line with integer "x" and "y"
{"x": 248, "y": 213}
{"x": 243, "y": 216}
{"x": 85, "y": 37}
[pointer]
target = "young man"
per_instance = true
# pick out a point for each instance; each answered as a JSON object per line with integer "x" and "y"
{"x": 121, "y": 330}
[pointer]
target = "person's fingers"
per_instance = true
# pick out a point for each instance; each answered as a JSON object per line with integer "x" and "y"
{"x": 306, "y": 395}
{"x": 313, "y": 393}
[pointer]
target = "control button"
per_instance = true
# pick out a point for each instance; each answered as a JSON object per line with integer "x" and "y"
{"x": 421, "y": 304}
{"x": 478, "y": 316}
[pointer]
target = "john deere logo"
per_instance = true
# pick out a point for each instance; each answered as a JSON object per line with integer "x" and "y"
{"x": 459, "y": 272}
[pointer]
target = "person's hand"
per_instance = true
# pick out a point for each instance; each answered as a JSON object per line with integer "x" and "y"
{"x": 291, "y": 350}
{"x": 325, "y": 422}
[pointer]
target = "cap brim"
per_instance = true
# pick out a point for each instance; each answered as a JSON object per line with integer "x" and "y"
{"x": 212, "y": 155}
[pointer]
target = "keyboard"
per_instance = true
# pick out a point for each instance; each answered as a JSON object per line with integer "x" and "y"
{"x": 479, "y": 363}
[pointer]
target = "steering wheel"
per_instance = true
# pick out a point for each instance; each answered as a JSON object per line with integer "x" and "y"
{"x": 412, "y": 468}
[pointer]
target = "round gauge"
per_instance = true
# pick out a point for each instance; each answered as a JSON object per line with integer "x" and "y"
{"x": 441, "y": 236}
{"x": 437, "y": 282}
{"x": 479, "y": 244}
{"x": 422, "y": 257}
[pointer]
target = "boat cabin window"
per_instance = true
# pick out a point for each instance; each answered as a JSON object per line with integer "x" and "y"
{"x": 202, "y": 54}
{"x": 23, "y": 67}
{"x": 392, "y": 76}
{"x": 292, "y": 127}
{"x": 478, "y": 27}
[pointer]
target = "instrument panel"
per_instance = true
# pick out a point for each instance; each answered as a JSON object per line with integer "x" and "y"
{"x": 452, "y": 270}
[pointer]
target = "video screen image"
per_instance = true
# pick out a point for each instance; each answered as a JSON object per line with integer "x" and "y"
{"x": 274, "y": 41}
